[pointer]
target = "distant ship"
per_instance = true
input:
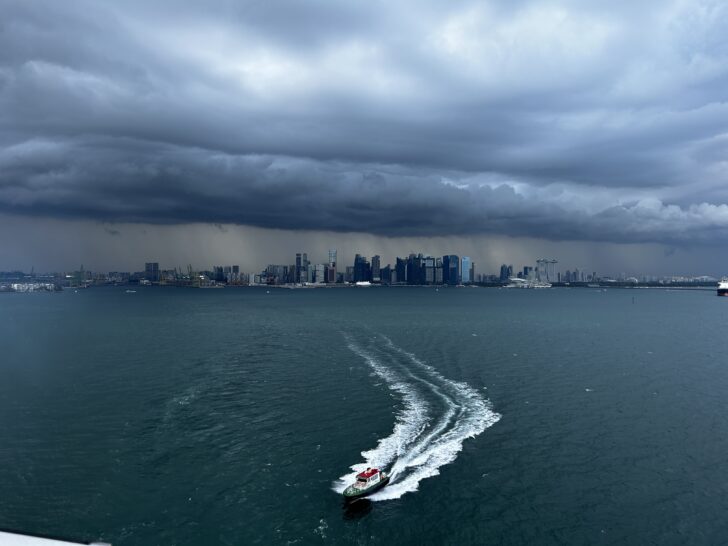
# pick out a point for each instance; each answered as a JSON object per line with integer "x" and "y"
{"x": 515, "y": 282}
{"x": 723, "y": 287}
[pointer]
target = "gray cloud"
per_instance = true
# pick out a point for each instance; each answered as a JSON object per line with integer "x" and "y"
{"x": 556, "y": 120}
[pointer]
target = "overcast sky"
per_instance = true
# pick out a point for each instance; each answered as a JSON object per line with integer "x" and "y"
{"x": 597, "y": 131}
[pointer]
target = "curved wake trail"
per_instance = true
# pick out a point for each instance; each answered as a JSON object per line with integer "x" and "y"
{"x": 410, "y": 423}
{"x": 437, "y": 416}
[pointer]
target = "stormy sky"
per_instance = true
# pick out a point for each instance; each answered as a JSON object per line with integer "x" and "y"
{"x": 594, "y": 131}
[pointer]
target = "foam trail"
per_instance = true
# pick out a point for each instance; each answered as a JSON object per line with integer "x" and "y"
{"x": 410, "y": 422}
{"x": 475, "y": 416}
{"x": 414, "y": 456}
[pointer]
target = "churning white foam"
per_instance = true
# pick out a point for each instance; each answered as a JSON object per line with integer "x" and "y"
{"x": 414, "y": 456}
{"x": 409, "y": 424}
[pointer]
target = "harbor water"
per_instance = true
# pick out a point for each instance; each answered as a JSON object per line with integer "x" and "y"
{"x": 178, "y": 416}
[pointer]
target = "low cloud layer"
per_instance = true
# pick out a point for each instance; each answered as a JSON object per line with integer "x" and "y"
{"x": 555, "y": 120}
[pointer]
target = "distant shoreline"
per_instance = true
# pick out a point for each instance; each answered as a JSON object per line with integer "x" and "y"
{"x": 593, "y": 286}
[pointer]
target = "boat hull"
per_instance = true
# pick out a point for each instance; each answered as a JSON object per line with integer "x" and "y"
{"x": 351, "y": 494}
{"x": 723, "y": 287}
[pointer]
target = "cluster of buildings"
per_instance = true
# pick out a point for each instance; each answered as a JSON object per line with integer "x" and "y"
{"x": 415, "y": 269}
{"x": 545, "y": 271}
{"x": 219, "y": 275}
{"x": 301, "y": 272}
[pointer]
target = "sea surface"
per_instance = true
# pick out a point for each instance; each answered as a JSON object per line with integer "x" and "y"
{"x": 182, "y": 417}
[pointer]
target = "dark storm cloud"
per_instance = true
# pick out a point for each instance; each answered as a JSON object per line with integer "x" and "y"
{"x": 556, "y": 120}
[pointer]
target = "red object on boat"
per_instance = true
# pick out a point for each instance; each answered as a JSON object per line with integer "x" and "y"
{"x": 368, "y": 473}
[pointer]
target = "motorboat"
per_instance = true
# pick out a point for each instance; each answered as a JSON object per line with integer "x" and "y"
{"x": 367, "y": 482}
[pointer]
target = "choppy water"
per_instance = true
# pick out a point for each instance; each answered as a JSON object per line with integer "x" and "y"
{"x": 176, "y": 416}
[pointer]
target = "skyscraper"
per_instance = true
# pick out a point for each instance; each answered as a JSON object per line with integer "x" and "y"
{"x": 428, "y": 265}
{"x": 362, "y": 269}
{"x": 438, "y": 271}
{"x": 506, "y": 272}
{"x": 465, "y": 270}
{"x": 320, "y": 274}
{"x": 331, "y": 269}
{"x": 400, "y": 269}
{"x": 451, "y": 269}
{"x": 151, "y": 271}
{"x": 376, "y": 269}
{"x": 415, "y": 273}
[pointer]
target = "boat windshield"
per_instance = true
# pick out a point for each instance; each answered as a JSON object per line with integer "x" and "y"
{"x": 361, "y": 480}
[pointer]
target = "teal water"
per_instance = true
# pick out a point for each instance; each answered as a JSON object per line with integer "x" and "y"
{"x": 175, "y": 416}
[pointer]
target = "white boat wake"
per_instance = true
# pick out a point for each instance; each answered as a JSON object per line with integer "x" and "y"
{"x": 437, "y": 416}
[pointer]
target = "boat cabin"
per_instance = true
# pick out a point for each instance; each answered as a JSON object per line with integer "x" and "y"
{"x": 369, "y": 477}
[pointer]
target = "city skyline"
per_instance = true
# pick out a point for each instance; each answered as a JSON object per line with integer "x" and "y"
{"x": 413, "y": 268}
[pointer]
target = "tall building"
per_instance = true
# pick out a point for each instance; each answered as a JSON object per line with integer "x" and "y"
{"x": 465, "y": 270}
{"x": 362, "y": 269}
{"x": 298, "y": 268}
{"x": 386, "y": 274}
{"x": 451, "y": 269}
{"x": 415, "y": 273}
{"x": 320, "y": 275}
{"x": 428, "y": 265}
{"x": 331, "y": 271}
{"x": 376, "y": 269}
{"x": 151, "y": 271}
{"x": 506, "y": 272}
{"x": 400, "y": 269}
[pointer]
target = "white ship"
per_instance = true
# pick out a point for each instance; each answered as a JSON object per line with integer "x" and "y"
{"x": 723, "y": 287}
{"x": 515, "y": 282}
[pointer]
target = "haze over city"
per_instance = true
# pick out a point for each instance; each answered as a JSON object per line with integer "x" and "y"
{"x": 212, "y": 132}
